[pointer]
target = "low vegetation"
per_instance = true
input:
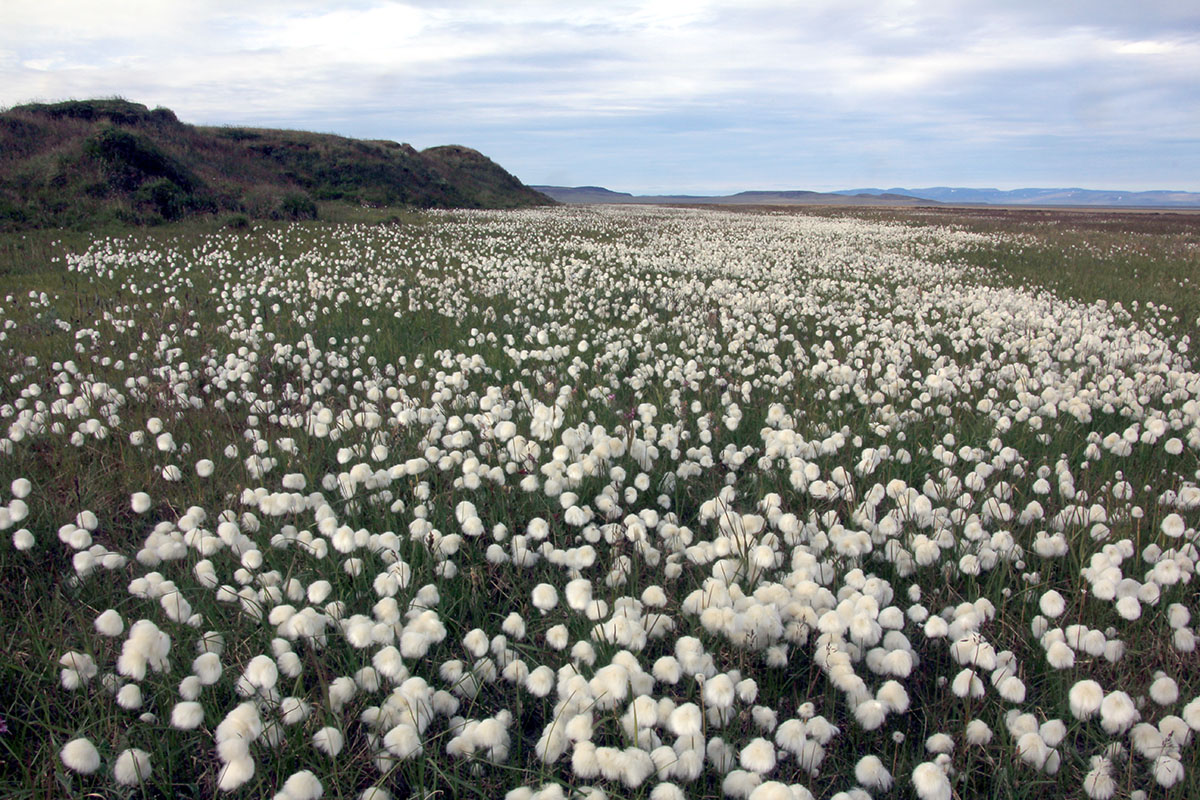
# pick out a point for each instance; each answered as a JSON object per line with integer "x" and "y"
{"x": 599, "y": 502}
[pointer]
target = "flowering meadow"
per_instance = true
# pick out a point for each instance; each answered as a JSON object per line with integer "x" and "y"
{"x": 592, "y": 502}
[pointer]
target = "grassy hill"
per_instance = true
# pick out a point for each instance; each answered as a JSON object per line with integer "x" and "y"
{"x": 92, "y": 162}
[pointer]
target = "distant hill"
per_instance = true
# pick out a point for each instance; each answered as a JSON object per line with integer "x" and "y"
{"x": 1044, "y": 197}
{"x": 584, "y": 194}
{"x": 597, "y": 194}
{"x": 83, "y": 163}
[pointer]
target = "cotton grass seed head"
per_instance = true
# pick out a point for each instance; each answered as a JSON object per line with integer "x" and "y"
{"x": 1168, "y": 771}
{"x": 930, "y": 782}
{"x": 1118, "y": 712}
{"x": 129, "y": 697}
{"x": 302, "y": 785}
{"x": 109, "y": 623}
{"x": 132, "y": 767}
{"x": 1099, "y": 783}
{"x": 1052, "y": 604}
{"x": 80, "y": 755}
{"x": 545, "y": 597}
{"x": 977, "y": 733}
{"x": 1164, "y": 690}
{"x": 871, "y": 773}
{"x": 758, "y": 756}
{"x": 187, "y": 715}
{"x": 1085, "y": 698}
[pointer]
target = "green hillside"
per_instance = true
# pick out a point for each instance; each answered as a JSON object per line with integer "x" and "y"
{"x": 92, "y": 162}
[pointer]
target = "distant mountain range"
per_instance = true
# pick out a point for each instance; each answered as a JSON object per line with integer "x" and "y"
{"x": 598, "y": 194}
{"x": 894, "y": 197}
{"x": 1042, "y": 197}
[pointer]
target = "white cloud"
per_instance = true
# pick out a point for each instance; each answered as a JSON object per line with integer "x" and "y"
{"x": 901, "y": 71}
{"x": 1145, "y": 48}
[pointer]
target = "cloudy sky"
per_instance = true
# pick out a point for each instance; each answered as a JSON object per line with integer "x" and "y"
{"x": 681, "y": 96}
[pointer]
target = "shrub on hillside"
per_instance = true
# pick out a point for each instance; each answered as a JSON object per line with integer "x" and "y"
{"x": 297, "y": 205}
{"x": 130, "y": 159}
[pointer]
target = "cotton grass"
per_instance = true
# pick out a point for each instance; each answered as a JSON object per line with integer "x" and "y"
{"x": 80, "y": 755}
{"x": 615, "y": 474}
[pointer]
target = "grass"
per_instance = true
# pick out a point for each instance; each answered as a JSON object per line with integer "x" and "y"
{"x": 400, "y": 302}
{"x": 1145, "y": 260}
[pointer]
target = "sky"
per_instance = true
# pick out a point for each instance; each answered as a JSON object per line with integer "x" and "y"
{"x": 667, "y": 96}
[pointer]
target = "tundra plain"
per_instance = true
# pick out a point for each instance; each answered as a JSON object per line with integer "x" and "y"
{"x": 603, "y": 502}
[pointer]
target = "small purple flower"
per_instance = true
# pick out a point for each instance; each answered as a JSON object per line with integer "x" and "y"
{"x": 3, "y": 725}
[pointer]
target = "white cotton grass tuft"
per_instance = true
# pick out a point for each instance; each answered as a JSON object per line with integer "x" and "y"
{"x": 207, "y": 668}
{"x": 870, "y": 714}
{"x": 667, "y": 791}
{"x": 545, "y": 597}
{"x": 579, "y": 593}
{"x": 667, "y": 670}
{"x": 235, "y": 774}
{"x": 871, "y": 773}
{"x": 685, "y": 720}
{"x": 1060, "y": 656}
{"x": 773, "y": 790}
{"x": 262, "y": 672}
{"x": 1098, "y": 783}
{"x": 1173, "y": 526}
{"x": 132, "y": 767}
{"x": 1052, "y": 604}
{"x": 302, "y": 785}
{"x": 129, "y": 697}
{"x": 739, "y": 783}
{"x": 977, "y": 733}
{"x": 540, "y": 681}
{"x": 1164, "y": 691}
{"x": 1012, "y": 689}
{"x": 939, "y": 743}
{"x": 719, "y": 691}
{"x": 893, "y": 696}
{"x": 557, "y": 637}
{"x": 1118, "y": 712}
{"x": 328, "y": 740}
{"x": 294, "y": 710}
{"x": 403, "y": 741}
{"x": 475, "y": 642}
{"x": 930, "y": 782}
{"x": 78, "y": 669}
{"x": 1129, "y": 608}
{"x": 80, "y": 755}
{"x": 187, "y": 715}
{"x": 758, "y": 756}
{"x": 1146, "y": 739}
{"x": 1176, "y": 729}
{"x": 109, "y": 623}
{"x": 965, "y": 683}
{"x": 1085, "y": 698}
{"x": 139, "y": 502}
{"x": 1168, "y": 770}
{"x": 514, "y": 626}
{"x": 190, "y": 688}
{"x": 1052, "y": 731}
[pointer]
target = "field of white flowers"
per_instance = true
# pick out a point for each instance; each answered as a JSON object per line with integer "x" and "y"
{"x": 601, "y": 502}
